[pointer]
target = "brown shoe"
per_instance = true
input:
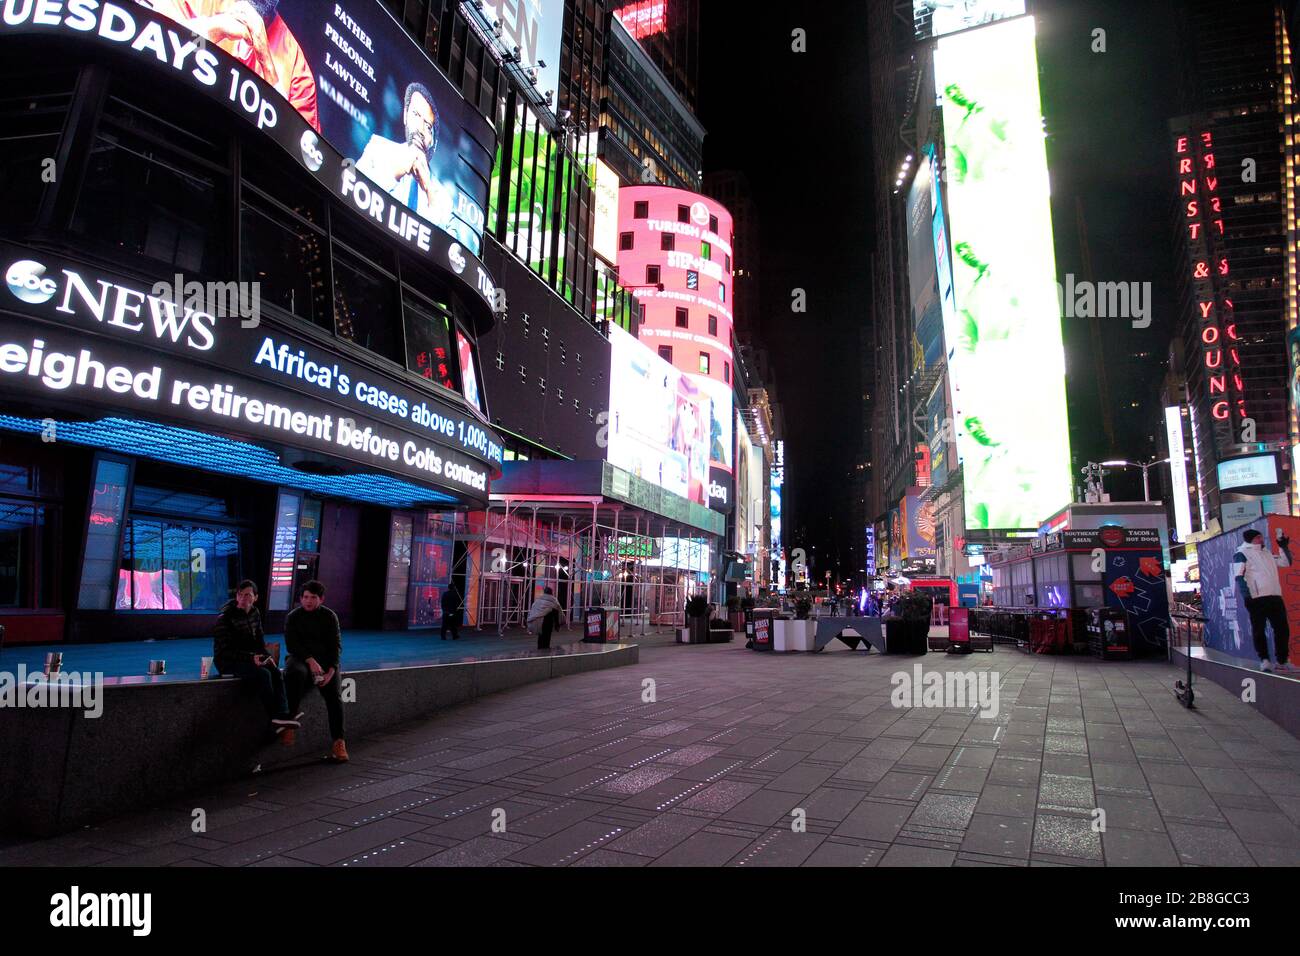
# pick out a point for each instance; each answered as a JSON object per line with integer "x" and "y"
{"x": 288, "y": 737}
{"x": 340, "y": 752}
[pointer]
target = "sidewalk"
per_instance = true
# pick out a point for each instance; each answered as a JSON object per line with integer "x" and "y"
{"x": 585, "y": 771}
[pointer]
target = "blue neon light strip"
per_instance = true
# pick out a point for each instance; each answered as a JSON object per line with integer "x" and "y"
{"x": 181, "y": 446}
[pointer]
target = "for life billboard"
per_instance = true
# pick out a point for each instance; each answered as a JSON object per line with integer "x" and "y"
{"x": 353, "y": 73}
{"x": 1006, "y": 361}
{"x": 658, "y": 420}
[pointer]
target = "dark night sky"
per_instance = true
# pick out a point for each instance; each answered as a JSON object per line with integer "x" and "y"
{"x": 798, "y": 124}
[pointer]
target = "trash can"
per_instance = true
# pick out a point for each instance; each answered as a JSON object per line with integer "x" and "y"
{"x": 600, "y": 625}
{"x": 759, "y": 628}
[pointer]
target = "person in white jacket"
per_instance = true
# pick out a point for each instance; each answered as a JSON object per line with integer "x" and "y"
{"x": 546, "y": 612}
{"x": 1254, "y": 567}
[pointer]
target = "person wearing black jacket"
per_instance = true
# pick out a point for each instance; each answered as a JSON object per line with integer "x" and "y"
{"x": 451, "y": 611}
{"x": 239, "y": 650}
{"x": 315, "y": 642}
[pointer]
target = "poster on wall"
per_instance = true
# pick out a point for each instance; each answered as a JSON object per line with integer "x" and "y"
{"x": 1227, "y": 626}
{"x": 919, "y": 527}
{"x": 658, "y": 420}
{"x": 1135, "y": 581}
{"x": 468, "y": 376}
{"x": 359, "y": 80}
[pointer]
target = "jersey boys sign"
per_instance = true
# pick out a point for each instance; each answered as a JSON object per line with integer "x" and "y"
{"x": 90, "y": 339}
{"x": 434, "y": 205}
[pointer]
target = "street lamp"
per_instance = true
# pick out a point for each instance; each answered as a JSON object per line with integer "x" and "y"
{"x": 1146, "y": 490}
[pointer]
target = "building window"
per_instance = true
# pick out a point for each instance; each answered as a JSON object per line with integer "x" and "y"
{"x": 713, "y": 325}
{"x": 706, "y": 250}
{"x": 666, "y": 353}
{"x": 726, "y": 372}
{"x": 142, "y": 196}
{"x": 683, "y": 319}
{"x": 666, "y": 241}
{"x": 624, "y": 241}
{"x": 641, "y": 210}
{"x": 704, "y": 363}
{"x": 158, "y": 566}
{"x": 366, "y": 305}
{"x": 683, "y": 213}
{"x": 713, "y": 224}
{"x": 652, "y": 275}
{"x": 692, "y": 279}
{"x": 722, "y": 292}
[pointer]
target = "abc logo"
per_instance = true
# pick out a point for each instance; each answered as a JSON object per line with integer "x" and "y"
{"x": 27, "y": 282}
{"x": 455, "y": 257}
{"x": 312, "y": 156}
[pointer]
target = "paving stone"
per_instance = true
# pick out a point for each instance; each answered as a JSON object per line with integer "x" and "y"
{"x": 1208, "y": 846}
{"x": 834, "y": 854}
{"x": 1185, "y": 803}
{"x": 871, "y": 820}
{"x": 704, "y": 849}
{"x": 1137, "y": 848}
{"x": 1066, "y": 837}
{"x": 903, "y": 855}
{"x": 948, "y": 811}
{"x": 999, "y": 835}
{"x": 1002, "y": 800}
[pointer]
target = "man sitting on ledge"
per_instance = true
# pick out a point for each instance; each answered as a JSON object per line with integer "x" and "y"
{"x": 239, "y": 650}
{"x": 315, "y": 642}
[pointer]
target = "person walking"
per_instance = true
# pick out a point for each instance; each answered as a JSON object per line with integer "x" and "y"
{"x": 315, "y": 642}
{"x": 544, "y": 614}
{"x": 239, "y": 650}
{"x": 452, "y": 609}
{"x": 1255, "y": 569}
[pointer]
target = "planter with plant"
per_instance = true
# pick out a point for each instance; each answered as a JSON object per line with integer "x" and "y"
{"x": 697, "y": 620}
{"x": 735, "y": 615}
{"x": 913, "y": 611}
{"x": 719, "y": 631}
{"x": 802, "y": 608}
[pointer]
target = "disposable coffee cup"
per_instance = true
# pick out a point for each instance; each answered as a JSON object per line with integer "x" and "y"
{"x": 157, "y": 668}
{"x": 53, "y": 662}
{"x": 205, "y": 668}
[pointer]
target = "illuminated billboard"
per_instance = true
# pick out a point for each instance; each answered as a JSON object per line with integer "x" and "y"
{"x": 658, "y": 420}
{"x": 1178, "y": 471}
{"x": 1006, "y": 361}
{"x": 354, "y": 74}
{"x": 922, "y": 273}
{"x": 534, "y": 28}
{"x": 604, "y": 237}
{"x": 934, "y": 18}
{"x": 1251, "y": 471}
{"x": 918, "y": 525}
{"x": 681, "y": 241}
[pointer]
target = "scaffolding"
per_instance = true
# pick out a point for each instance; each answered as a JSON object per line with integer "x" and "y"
{"x": 591, "y": 552}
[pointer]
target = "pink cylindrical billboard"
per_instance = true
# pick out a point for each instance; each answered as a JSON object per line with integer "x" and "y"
{"x": 682, "y": 241}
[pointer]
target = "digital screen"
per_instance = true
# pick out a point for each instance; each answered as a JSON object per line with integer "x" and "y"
{"x": 535, "y": 28}
{"x": 933, "y": 18}
{"x": 1249, "y": 472}
{"x": 353, "y": 73}
{"x": 468, "y": 377}
{"x": 1178, "y": 471}
{"x": 1006, "y": 361}
{"x": 658, "y": 420}
{"x": 604, "y": 238}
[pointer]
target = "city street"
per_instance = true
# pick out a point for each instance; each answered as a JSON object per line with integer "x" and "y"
{"x": 579, "y": 771}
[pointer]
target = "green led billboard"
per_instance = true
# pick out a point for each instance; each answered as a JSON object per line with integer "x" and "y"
{"x": 1006, "y": 362}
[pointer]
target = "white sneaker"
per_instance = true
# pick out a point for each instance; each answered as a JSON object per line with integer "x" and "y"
{"x": 1266, "y": 666}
